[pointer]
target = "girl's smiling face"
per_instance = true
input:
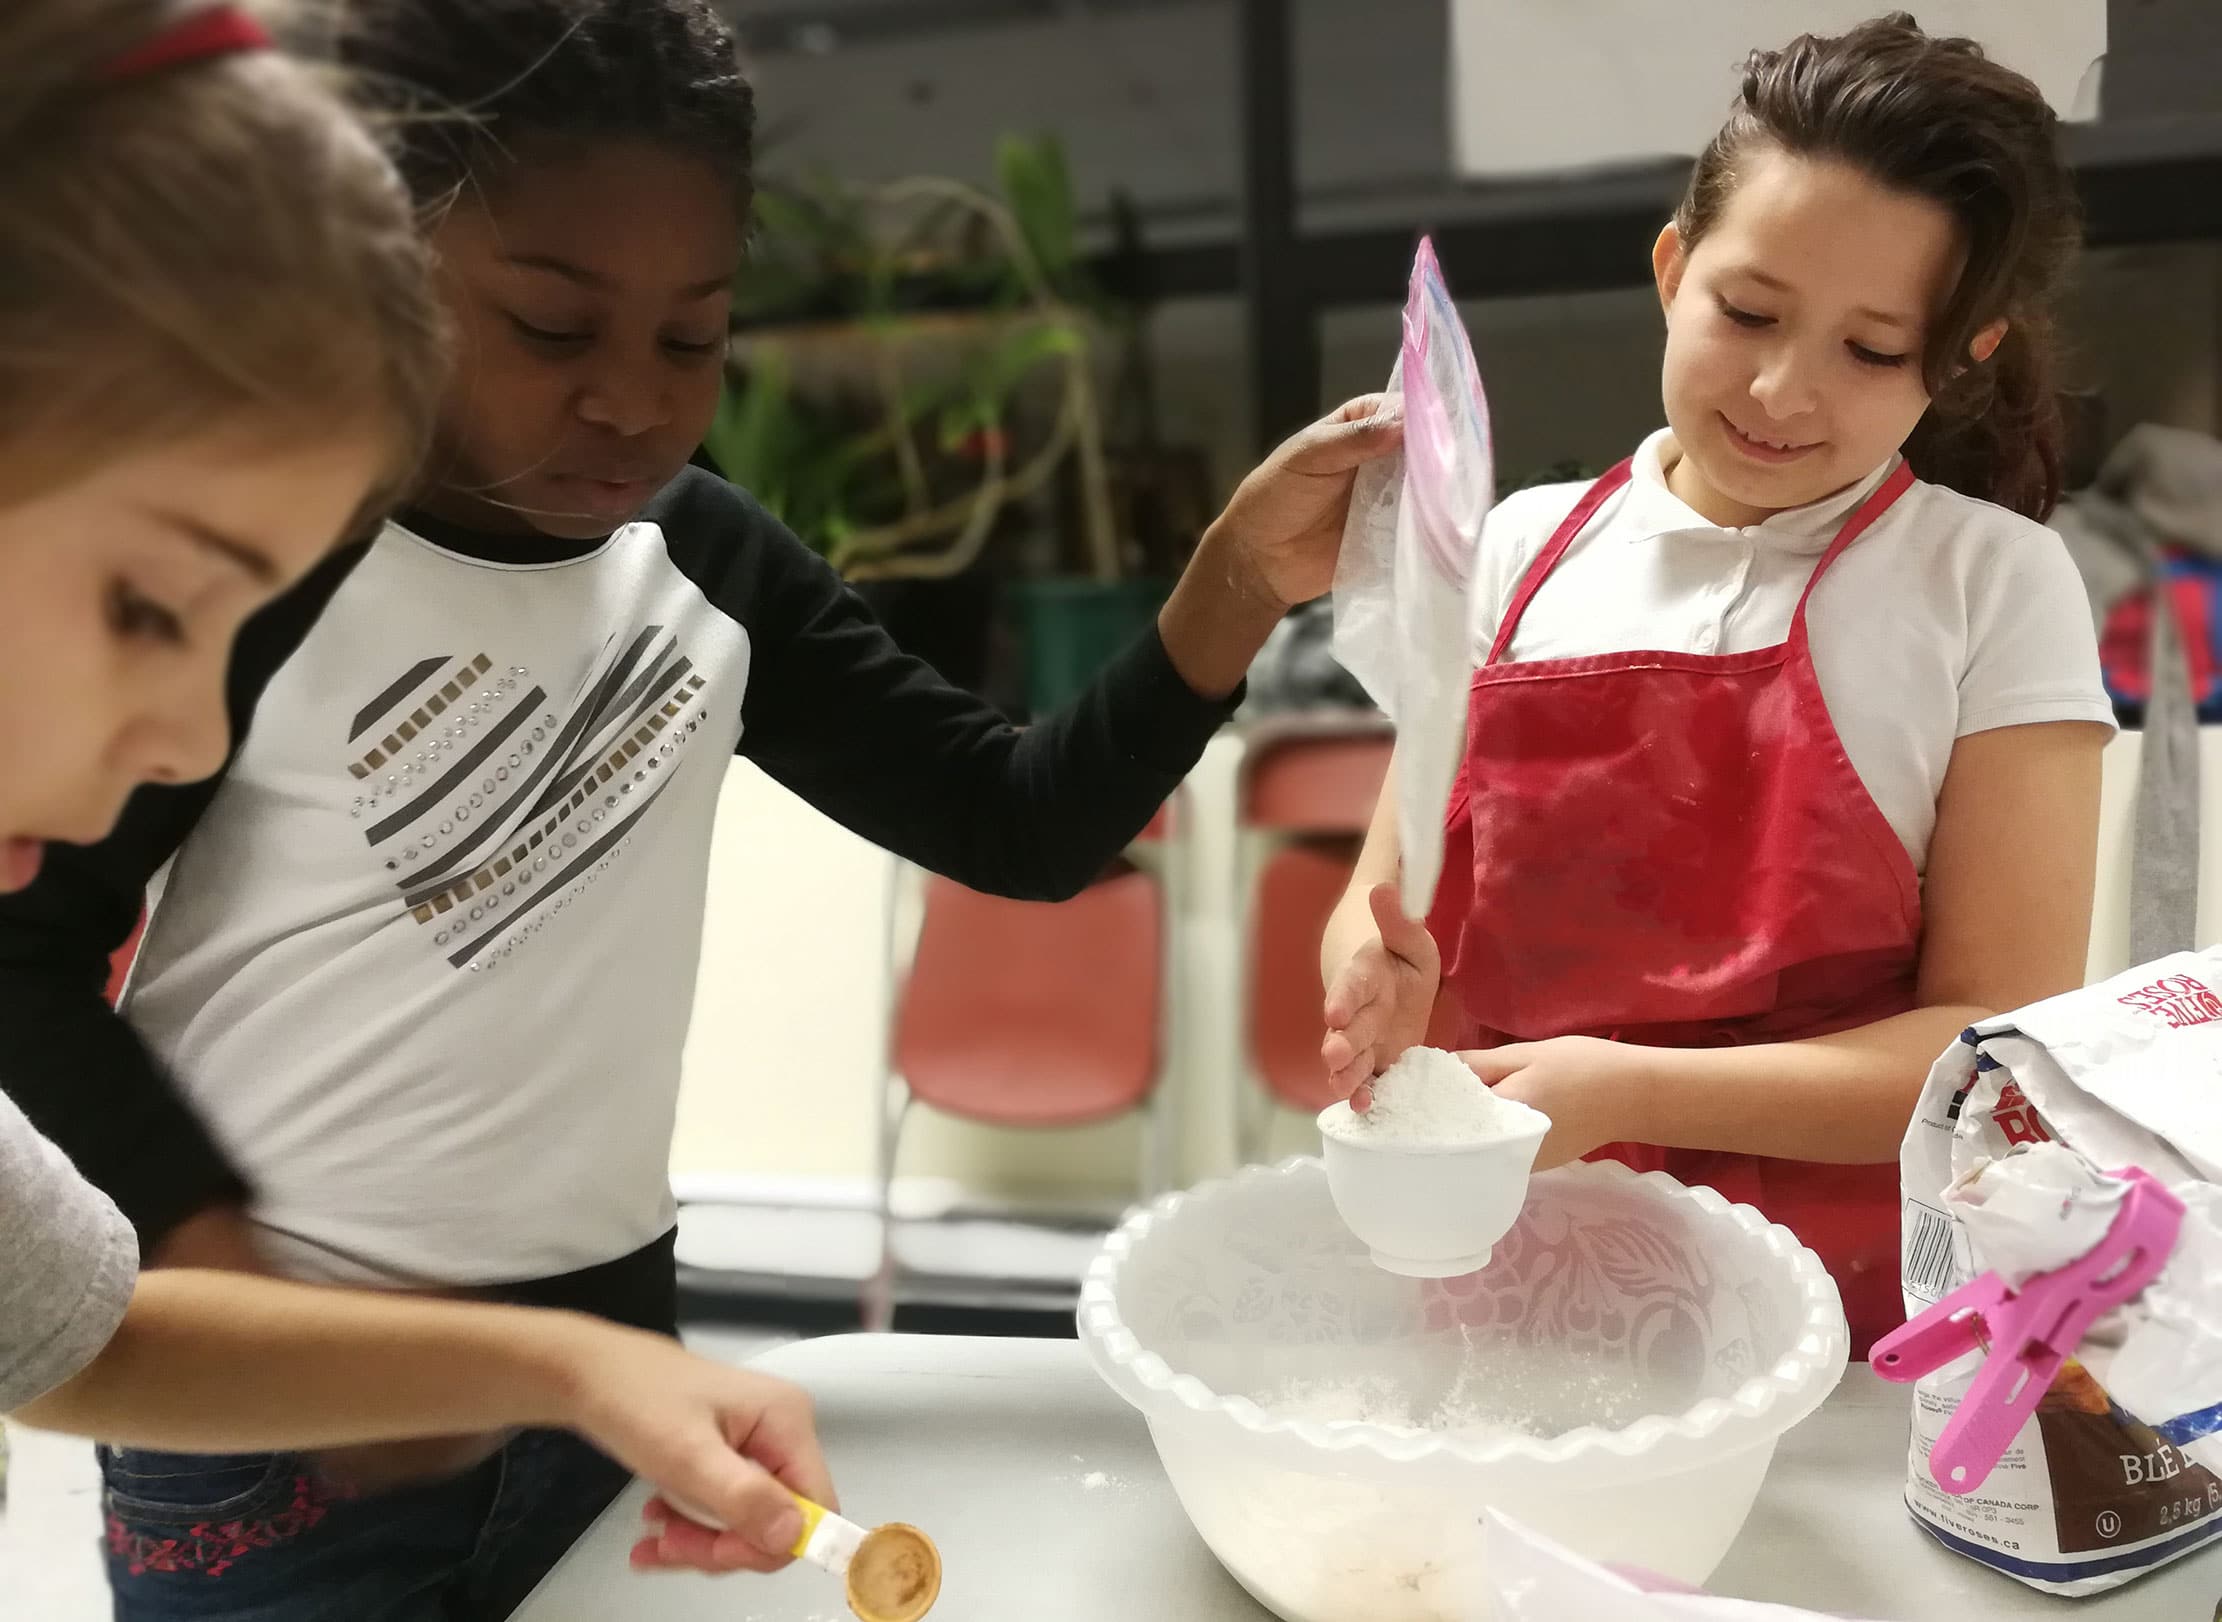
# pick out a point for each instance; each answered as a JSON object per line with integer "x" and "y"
{"x": 589, "y": 287}
{"x": 1796, "y": 329}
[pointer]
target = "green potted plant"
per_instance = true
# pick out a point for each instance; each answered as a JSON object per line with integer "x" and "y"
{"x": 914, "y": 375}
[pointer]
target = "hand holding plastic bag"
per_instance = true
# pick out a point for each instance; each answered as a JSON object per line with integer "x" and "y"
{"x": 1405, "y": 572}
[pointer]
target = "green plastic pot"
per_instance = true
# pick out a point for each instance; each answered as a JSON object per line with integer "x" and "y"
{"x": 1073, "y": 627}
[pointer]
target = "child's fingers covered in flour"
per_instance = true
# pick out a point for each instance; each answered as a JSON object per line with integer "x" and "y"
{"x": 1378, "y": 1006}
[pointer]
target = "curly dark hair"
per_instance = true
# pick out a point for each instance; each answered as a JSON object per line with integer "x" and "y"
{"x": 476, "y": 80}
{"x": 1938, "y": 118}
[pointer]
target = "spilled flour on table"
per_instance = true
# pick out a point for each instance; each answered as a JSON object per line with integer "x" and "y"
{"x": 1094, "y": 1481}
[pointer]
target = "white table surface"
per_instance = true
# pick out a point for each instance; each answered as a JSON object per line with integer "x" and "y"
{"x": 1044, "y": 1492}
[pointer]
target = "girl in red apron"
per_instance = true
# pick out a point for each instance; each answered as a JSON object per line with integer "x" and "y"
{"x": 1783, "y": 744}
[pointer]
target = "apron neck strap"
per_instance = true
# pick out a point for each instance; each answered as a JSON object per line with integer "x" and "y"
{"x": 1565, "y": 535}
{"x": 1883, "y": 498}
{"x": 1879, "y": 502}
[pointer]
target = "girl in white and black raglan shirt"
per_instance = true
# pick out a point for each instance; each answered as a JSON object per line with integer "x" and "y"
{"x": 153, "y": 496}
{"x": 414, "y": 988}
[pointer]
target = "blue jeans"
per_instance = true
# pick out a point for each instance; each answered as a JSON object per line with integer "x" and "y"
{"x": 260, "y": 1538}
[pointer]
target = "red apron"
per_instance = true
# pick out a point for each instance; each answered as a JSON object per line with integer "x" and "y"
{"x": 1673, "y": 849}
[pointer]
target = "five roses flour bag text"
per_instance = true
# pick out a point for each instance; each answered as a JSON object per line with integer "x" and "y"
{"x": 2006, "y": 1170}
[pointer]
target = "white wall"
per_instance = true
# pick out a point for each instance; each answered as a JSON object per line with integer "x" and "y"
{"x": 1143, "y": 99}
{"x": 1658, "y": 76}
{"x": 787, "y": 1016}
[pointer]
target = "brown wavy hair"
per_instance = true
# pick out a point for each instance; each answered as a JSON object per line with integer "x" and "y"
{"x": 219, "y": 243}
{"x": 1936, "y": 118}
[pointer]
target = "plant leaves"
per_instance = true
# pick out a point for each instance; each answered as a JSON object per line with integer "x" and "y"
{"x": 1037, "y": 186}
{"x": 754, "y": 429}
{"x": 999, "y": 370}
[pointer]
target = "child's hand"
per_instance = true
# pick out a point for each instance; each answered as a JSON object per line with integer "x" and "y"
{"x": 728, "y": 1440}
{"x": 1284, "y": 523}
{"x": 1584, "y": 1084}
{"x": 1273, "y": 547}
{"x": 1380, "y": 1002}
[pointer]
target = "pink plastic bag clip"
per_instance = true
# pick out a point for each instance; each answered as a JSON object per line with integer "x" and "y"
{"x": 2028, "y": 1333}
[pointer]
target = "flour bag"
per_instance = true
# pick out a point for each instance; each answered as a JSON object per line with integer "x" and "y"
{"x": 2006, "y": 1169}
{"x": 1406, "y": 568}
{"x": 1532, "y": 1579}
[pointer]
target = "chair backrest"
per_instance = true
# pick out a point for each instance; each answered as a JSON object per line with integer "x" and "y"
{"x": 1313, "y": 784}
{"x": 1296, "y": 891}
{"x": 1022, "y": 1013}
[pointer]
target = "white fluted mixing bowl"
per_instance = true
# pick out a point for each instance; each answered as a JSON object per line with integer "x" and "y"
{"x": 1624, "y": 1367}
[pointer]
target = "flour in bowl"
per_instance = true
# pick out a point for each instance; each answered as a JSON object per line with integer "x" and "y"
{"x": 1348, "y": 1545}
{"x": 1379, "y": 1399}
{"x": 1429, "y": 1100}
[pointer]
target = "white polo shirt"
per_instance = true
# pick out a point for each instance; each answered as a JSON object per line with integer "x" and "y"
{"x": 1950, "y": 616}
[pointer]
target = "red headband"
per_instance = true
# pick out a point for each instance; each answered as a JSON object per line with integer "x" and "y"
{"x": 217, "y": 31}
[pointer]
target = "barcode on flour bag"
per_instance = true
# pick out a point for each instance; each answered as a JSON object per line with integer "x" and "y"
{"x": 1932, "y": 1265}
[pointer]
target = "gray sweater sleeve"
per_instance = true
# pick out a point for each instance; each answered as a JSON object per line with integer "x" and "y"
{"x": 68, "y": 1260}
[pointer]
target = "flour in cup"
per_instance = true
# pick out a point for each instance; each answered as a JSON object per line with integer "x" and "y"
{"x": 1428, "y": 1099}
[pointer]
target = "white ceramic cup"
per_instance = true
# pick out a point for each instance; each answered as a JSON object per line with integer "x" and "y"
{"x": 1427, "y": 1210}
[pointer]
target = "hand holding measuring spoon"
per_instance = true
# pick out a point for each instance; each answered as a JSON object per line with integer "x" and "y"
{"x": 892, "y": 1573}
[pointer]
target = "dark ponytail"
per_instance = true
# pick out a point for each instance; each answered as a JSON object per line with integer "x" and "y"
{"x": 1938, "y": 119}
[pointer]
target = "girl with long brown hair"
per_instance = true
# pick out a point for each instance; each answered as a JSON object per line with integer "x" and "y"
{"x": 1783, "y": 750}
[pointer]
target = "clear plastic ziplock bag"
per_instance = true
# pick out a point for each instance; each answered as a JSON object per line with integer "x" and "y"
{"x": 1405, "y": 574}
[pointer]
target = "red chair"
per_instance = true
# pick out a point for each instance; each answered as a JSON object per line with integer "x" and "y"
{"x": 1313, "y": 781}
{"x": 1304, "y": 798}
{"x": 1293, "y": 898}
{"x": 1026, "y": 1015}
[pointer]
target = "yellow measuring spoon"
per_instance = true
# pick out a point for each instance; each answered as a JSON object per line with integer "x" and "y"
{"x": 892, "y": 1572}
